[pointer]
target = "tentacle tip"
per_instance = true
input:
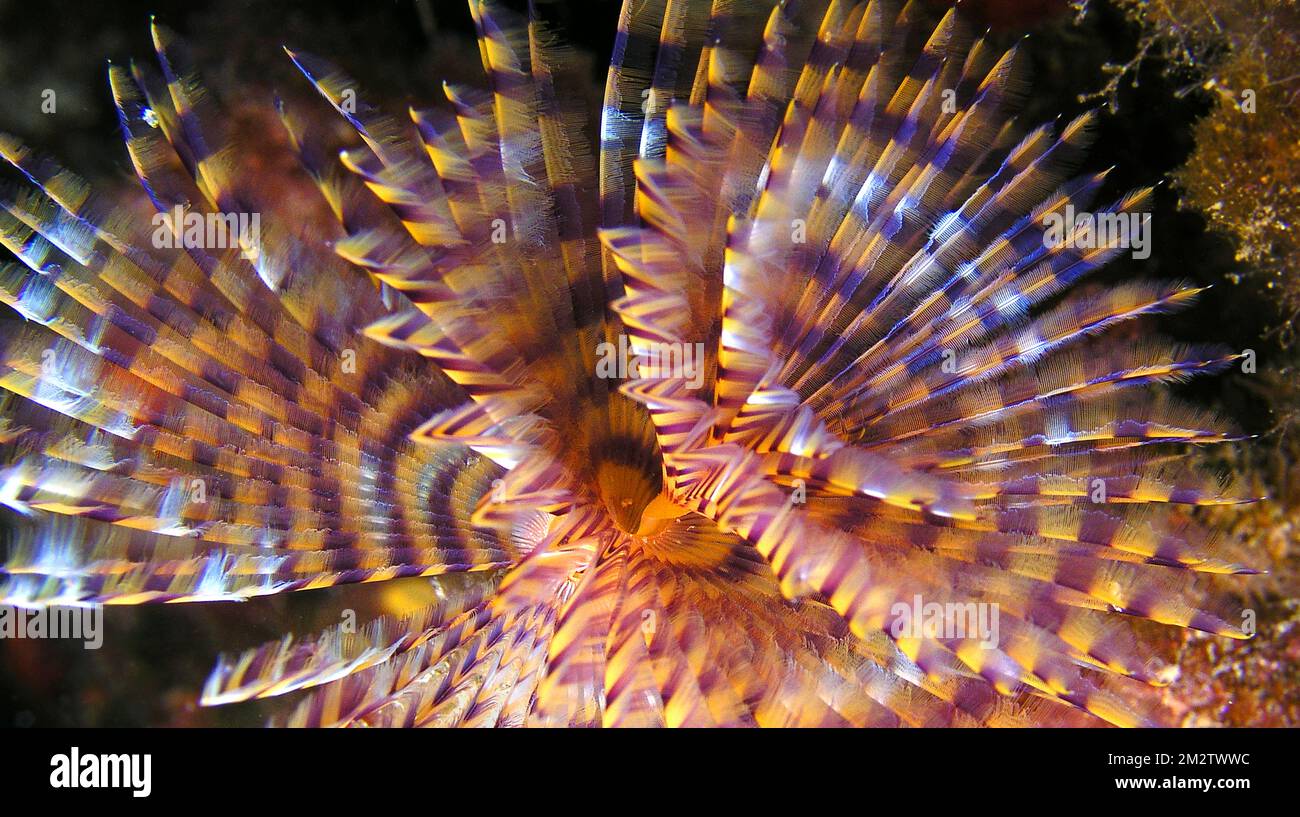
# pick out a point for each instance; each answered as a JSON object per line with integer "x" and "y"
{"x": 1163, "y": 675}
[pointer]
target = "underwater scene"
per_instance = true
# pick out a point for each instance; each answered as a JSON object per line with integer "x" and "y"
{"x": 699, "y": 363}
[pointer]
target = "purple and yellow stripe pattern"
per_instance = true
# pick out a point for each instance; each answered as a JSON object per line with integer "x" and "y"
{"x": 903, "y": 390}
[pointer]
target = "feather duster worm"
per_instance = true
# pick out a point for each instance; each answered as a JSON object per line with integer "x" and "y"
{"x": 760, "y": 415}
